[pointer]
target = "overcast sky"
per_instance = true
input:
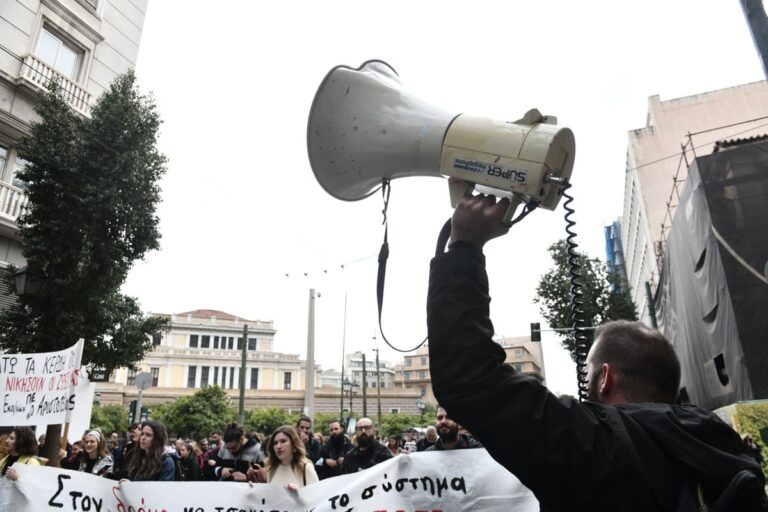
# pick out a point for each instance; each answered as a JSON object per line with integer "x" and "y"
{"x": 241, "y": 208}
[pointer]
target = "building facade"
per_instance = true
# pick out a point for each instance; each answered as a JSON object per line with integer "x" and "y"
{"x": 82, "y": 44}
{"x": 521, "y": 353}
{"x": 354, "y": 371}
{"x": 656, "y": 166}
{"x": 204, "y": 348}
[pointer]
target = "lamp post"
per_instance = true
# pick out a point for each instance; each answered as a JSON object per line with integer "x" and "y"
{"x": 421, "y": 406}
{"x": 351, "y": 387}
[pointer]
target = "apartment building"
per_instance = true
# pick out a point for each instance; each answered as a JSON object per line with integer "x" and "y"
{"x": 82, "y": 44}
{"x": 658, "y": 155}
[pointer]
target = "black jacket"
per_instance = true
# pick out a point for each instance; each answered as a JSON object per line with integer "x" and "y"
{"x": 333, "y": 450}
{"x": 356, "y": 460}
{"x": 465, "y": 441}
{"x": 574, "y": 457}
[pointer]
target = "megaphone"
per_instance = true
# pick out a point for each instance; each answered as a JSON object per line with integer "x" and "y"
{"x": 364, "y": 127}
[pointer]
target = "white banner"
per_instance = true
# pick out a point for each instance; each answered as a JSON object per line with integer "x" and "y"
{"x": 450, "y": 481}
{"x": 39, "y": 389}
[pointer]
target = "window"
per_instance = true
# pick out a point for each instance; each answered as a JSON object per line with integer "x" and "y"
{"x": 394, "y": 410}
{"x": 204, "y": 371}
{"x": 518, "y": 367}
{"x": 157, "y": 338}
{"x": 224, "y": 377}
{"x": 215, "y": 375}
{"x": 60, "y": 55}
{"x": 518, "y": 353}
{"x": 424, "y": 361}
{"x": 407, "y": 375}
{"x": 287, "y": 380}
{"x": 251, "y": 343}
{"x": 231, "y": 343}
{"x": 215, "y": 342}
{"x": 193, "y": 340}
{"x": 239, "y": 343}
{"x": 231, "y": 378}
{"x": 191, "y": 376}
{"x": 422, "y": 374}
{"x": 17, "y": 168}
{"x": 155, "y": 376}
{"x": 408, "y": 361}
{"x": 254, "y": 378}
{"x": 205, "y": 342}
{"x": 131, "y": 381}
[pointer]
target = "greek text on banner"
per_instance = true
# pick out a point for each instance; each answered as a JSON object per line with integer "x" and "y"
{"x": 39, "y": 389}
{"x": 449, "y": 481}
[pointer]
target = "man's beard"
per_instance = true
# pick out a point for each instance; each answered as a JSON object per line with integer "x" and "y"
{"x": 364, "y": 441}
{"x": 449, "y": 435}
{"x": 337, "y": 439}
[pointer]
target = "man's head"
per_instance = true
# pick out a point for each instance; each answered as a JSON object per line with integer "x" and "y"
{"x": 234, "y": 438}
{"x": 215, "y": 437}
{"x": 431, "y": 434}
{"x": 447, "y": 429}
{"x": 304, "y": 424}
{"x": 365, "y": 433}
{"x": 631, "y": 363}
{"x": 337, "y": 432}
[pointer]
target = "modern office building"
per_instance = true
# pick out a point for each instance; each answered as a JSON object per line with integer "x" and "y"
{"x": 82, "y": 44}
{"x": 677, "y": 131}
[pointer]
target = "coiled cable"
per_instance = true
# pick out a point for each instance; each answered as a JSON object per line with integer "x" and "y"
{"x": 580, "y": 340}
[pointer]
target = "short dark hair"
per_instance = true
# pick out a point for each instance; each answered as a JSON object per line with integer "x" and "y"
{"x": 644, "y": 360}
{"x": 233, "y": 432}
{"x": 303, "y": 417}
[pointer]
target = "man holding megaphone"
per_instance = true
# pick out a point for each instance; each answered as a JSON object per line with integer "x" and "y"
{"x": 628, "y": 448}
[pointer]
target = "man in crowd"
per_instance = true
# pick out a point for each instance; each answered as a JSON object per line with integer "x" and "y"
{"x": 450, "y": 438}
{"x": 628, "y": 448}
{"x": 209, "y": 456}
{"x": 368, "y": 451}
{"x": 428, "y": 440}
{"x": 311, "y": 445}
{"x": 236, "y": 454}
{"x": 333, "y": 451}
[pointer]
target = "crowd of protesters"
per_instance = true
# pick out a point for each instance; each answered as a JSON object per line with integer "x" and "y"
{"x": 292, "y": 457}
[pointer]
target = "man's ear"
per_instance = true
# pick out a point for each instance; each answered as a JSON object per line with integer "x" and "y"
{"x": 607, "y": 381}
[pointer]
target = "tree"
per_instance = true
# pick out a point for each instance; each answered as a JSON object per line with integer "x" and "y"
{"x": 605, "y": 295}
{"x": 196, "y": 416}
{"x": 268, "y": 419}
{"x": 92, "y": 189}
{"x": 110, "y": 418}
{"x": 395, "y": 423}
{"x": 322, "y": 419}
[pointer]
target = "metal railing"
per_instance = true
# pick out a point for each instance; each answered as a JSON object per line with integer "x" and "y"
{"x": 39, "y": 73}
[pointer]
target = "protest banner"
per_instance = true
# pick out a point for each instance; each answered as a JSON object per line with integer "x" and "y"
{"x": 39, "y": 389}
{"x": 449, "y": 481}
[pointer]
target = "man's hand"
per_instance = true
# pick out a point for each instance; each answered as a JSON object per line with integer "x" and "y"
{"x": 477, "y": 219}
{"x": 331, "y": 463}
{"x": 226, "y": 472}
{"x": 239, "y": 477}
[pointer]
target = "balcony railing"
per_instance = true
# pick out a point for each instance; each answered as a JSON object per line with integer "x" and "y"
{"x": 39, "y": 73}
{"x": 12, "y": 201}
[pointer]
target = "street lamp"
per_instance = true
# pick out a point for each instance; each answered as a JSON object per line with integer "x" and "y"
{"x": 26, "y": 282}
{"x": 351, "y": 387}
{"x": 421, "y": 405}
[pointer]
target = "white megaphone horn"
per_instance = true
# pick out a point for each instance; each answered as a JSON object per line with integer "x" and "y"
{"x": 364, "y": 126}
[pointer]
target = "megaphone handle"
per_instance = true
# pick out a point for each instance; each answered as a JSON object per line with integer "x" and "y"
{"x": 459, "y": 188}
{"x": 513, "y": 204}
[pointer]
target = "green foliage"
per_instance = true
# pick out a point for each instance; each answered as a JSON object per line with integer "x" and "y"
{"x": 93, "y": 190}
{"x": 110, "y": 418}
{"x": 394, "y": 424}
{"x": 267, "y": 419}
{"x": 195, "y": 416}
{"x": 600, "y": 304}
{"x": 752, "y": 418}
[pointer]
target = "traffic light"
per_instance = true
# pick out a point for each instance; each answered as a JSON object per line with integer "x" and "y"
{"x": 535, "y": 331}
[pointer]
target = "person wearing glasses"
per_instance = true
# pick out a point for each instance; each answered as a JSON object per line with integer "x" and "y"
{"x": 368, "y": 452}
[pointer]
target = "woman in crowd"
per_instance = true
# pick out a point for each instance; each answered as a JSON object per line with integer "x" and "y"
{"x": 22, "y": 448}
{"x": 72, "y": 461}
{"x": 95, "y": 457}
{"x": 148, "y": 461}
{"x": 190, "y": 467}
{"x": 287, "y": 464}
{"x": 393, "y": 446}
{"x": 198, "y": 455}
